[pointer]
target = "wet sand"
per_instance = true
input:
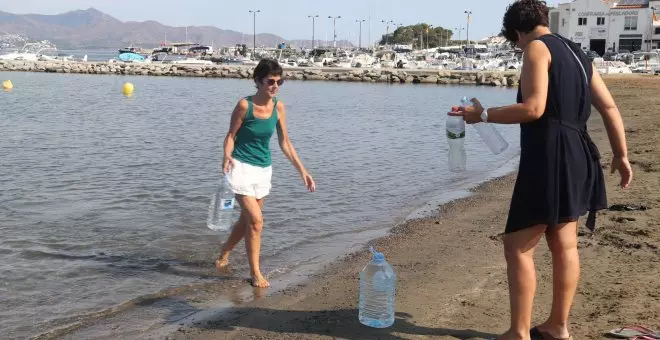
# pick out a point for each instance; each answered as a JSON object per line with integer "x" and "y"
{"x": 451, "y": 269}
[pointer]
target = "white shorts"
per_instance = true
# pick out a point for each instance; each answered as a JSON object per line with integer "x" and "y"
{"x": 249, "y": 180}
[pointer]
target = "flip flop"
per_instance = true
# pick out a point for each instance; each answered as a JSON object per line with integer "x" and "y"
{"x": 634, "y": 332}
{"x": 537, "y": 334}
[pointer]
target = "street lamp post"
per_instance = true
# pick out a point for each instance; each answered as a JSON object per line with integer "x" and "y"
{"x": 467, "y": 33}
{"x": 334, "y": 29}
{"x": 652, "y": 28}
{"x": 254, "y": 30}
{"x": 387, "y": 32}
{"x": 313, "y": 29}
{"x": 360, "y": 21}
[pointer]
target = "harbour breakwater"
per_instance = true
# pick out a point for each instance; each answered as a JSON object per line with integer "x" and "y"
{"x": 407, "y": 76}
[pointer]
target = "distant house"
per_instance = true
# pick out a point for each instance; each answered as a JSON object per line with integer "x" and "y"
{"x": 606, "y": 25}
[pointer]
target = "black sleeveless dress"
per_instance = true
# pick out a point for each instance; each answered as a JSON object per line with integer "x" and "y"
{"x": 560, "y": 177}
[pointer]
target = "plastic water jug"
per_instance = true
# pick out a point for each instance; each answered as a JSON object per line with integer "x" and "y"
{"x": 223, "y": 212}
{"x": 377, "y": 292}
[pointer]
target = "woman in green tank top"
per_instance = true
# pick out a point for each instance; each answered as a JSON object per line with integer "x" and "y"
{"x": 247, "y": 162}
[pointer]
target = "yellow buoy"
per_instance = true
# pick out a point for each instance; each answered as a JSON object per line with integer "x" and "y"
{"x": 7, "y": 85}
{"x": 128, "y": 89}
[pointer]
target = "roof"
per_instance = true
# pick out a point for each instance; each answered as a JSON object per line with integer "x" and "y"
{"x": 632, "y": 4}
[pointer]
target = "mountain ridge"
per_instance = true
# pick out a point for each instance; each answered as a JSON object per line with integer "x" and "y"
{"x": 93, "y": 29}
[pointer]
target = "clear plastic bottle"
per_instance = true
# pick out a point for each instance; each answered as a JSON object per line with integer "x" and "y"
{"x": 377, "y": 292}
{"x": 488, "y": 133}
{"x": 222, "y": 210}
{"x": 456, "y": 140}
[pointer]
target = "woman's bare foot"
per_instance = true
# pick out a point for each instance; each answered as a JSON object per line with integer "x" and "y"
{"x": 259, "y": 281}
{"x": 222, "y": 262}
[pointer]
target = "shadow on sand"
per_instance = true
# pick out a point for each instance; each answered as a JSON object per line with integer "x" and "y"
{"x": 339, "y": 323}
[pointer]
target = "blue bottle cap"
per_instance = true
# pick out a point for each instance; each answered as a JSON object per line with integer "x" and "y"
{"x": 377, "y": 256}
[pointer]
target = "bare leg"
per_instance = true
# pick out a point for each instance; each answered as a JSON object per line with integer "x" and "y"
{"x": 562, "y": 242}
{"x": 236, "y": 235}
{"x": 255, "y": 223}
{"x": 519, "y": 252}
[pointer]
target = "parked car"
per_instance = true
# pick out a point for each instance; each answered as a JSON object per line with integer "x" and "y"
{"x": 610, "y": 56}
{"x": 627, "y": 58}
{"x": 591, "y": 55}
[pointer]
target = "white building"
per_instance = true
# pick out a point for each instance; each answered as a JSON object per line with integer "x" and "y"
{"x": 605, "y": 25}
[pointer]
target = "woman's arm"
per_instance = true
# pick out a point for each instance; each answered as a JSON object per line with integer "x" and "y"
{"x": 288, "y": 149}
{"x": 603, "y": 102}
{"x": 534, "y": 75}
{"x": 236, "y": 121}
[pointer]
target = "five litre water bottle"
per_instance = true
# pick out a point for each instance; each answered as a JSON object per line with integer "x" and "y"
{"x": 377, "y": 292}
{"x": 488, "y": 133}
{"x": 222, "y": 210}
{"x": 456, "y": 141}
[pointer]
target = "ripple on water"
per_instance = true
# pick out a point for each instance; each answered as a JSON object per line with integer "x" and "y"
{"x": 100, "y": 193}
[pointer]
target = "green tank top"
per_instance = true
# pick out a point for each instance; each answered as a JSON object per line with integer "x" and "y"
{"x": 252, "y": 143}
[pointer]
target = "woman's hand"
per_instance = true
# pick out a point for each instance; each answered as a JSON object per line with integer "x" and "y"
{"x": 227, "y": 164}
{"x": 308, "y": 181}
{"x": 471, "y": 114}
{"x": 622, "y": 165}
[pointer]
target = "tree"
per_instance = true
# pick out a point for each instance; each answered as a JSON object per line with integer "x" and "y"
{"x": 416, "y": 34}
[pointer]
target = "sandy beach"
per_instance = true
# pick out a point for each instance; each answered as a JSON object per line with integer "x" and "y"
{"x": 451, "y": 269}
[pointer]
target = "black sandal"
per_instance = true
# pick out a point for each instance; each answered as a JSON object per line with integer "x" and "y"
{"x": 536, "y": 334}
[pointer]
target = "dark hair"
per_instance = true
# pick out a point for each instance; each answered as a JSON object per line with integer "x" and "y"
{"x": 524, "y": 16}
{"x": 267, "y": 67}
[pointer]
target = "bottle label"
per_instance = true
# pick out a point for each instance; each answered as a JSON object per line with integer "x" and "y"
{"x": 226, "y": 204}
{"x": 452, "y": 135}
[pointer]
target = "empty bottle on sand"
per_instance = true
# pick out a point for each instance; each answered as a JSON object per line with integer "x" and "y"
{"x": 377, "y": 292}
{"x": 456, "y": 139}
{"x": 222, "y": 210}
{"x": 488, "y": 133}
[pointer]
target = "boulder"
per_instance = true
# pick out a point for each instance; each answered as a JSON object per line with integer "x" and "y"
{"x": 313, "y": 77}
{"x": 429, "y": 80}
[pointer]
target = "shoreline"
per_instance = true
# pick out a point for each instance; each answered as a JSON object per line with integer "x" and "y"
{"x": 324, "y": 305}
{"x": 451, "y": 270}
{"x": 236, "y": 292}
{"x": 392, "y": 76}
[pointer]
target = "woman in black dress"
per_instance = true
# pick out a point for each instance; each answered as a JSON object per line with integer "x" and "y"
{"x": 560, "y": 177}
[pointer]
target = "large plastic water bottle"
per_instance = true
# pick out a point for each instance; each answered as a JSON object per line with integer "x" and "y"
{"x": 488, "y": 133}
{"x": 222, "y": 210}
{"x": 377, "y": 292}
{"x": 456, "y": 140}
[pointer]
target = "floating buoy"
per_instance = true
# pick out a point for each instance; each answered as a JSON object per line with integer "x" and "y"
{"x": 128, "y": 89}
{"x": 7, "y": 85}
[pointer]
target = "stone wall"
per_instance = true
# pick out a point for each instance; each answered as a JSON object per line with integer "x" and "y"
{"x": 443, "y": 77}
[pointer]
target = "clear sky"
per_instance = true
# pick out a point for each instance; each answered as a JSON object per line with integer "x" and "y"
{"x": 288, "y": 18}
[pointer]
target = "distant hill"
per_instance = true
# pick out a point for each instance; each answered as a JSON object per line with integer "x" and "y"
{"x": 93, "y": 29}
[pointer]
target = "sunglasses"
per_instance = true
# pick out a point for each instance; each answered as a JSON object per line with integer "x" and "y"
{"x": 271, "y": 82}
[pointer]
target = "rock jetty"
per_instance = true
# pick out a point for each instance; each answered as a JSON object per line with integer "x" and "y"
{"x": 442, "y": 77}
